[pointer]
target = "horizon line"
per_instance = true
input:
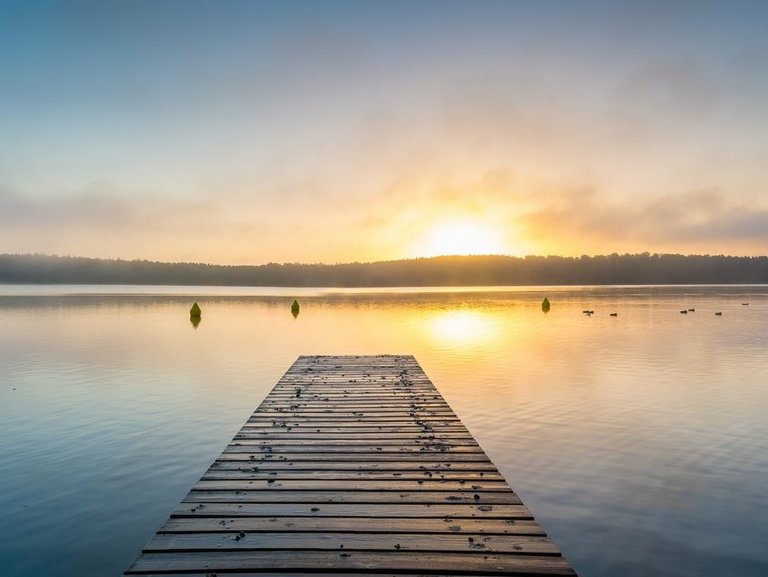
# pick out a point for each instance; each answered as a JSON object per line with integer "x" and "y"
{"x": 393, "y": 260}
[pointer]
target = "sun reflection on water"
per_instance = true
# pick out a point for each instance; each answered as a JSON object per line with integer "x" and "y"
{"x": 460, "y": 327}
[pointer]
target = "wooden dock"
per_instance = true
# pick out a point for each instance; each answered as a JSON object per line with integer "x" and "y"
{"x": 352, "y": 465}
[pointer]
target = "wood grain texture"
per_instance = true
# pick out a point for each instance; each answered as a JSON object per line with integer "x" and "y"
{"x": 352, "y": 465}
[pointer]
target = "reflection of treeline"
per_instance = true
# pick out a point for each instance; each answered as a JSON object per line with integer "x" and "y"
{"x": 642, "y": 268}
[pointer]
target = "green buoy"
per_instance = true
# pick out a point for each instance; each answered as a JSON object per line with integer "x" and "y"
{"x": 545, "y": 305}
{"x": 195, "y": 315}
{"x": 295, "y": 309}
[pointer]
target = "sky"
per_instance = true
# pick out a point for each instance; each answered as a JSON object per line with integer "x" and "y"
{"x": 253, "y": 132}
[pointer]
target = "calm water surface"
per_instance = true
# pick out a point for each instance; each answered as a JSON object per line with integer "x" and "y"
{"x": 639, "y": 441}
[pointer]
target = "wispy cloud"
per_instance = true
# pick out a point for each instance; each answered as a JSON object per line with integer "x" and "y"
{"x": 698, "y": 221}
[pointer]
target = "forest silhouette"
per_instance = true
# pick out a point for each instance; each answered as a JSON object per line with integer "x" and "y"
{"x": 614, "y": 269}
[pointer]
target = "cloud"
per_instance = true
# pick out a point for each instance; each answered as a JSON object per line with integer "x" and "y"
{"x": 703, "y": 221}
{"x": 86, "y": 208}
{"x": 112, "y": 223}
{"x": 239, "y": 223}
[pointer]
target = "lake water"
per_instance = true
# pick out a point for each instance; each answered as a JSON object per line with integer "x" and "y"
{"x": 639, "y": 441}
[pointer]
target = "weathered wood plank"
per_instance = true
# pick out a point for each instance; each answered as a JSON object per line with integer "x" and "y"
{"x": 245, "y": 454}
{"x": 425, "y": 457}
{"x": 385, "y": 432}
{"x": 373, "y": 411}
{"x": 394, "y": 422}
{"x": 428, "y": 468}
{"x": 352, "y": 425}
{"x": 383, "y": 402}
{"x": 353, "y": 429}
{"x": 489, "y": 564}
{"x": 429, "y": 447}
{"x": 319, "y": 443}
{"x": 366, "y": 497}
{"x": 351, "y": 418}
{"x": 445, "y": 542}
{"x": 369, "y": 573}
{"x": 459, "y": 477}
{"x": 370, "y": 510}
{"x": 357, "y": 399}
{"x": 314, "y": 398}
{"x": 388, "y": 483}
{"x": 429, "y": 525}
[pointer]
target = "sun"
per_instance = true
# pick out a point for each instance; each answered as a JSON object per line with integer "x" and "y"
{"x": 462, "y": 237}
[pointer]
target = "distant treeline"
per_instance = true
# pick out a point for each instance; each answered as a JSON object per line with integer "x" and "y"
{"x": 611, "y": 269}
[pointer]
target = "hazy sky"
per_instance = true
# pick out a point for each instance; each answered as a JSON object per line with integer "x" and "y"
{"x": 248, "y": 132}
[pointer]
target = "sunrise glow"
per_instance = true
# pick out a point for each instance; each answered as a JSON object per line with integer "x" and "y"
{"x": 462, "y": 237}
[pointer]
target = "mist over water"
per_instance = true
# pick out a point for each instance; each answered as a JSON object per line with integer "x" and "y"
{"x": 639, "y": 441}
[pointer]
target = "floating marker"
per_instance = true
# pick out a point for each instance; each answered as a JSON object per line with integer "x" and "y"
{"x": 545, "y": 305}
{"x": 295, "y": 308}
{"x": 195, "y": 315}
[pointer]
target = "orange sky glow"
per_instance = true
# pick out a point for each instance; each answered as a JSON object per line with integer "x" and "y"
{"x": 274, "y": 132}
